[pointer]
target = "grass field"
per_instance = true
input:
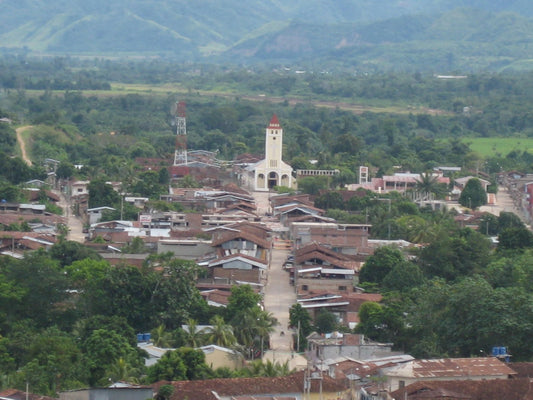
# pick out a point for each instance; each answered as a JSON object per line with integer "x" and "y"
{"x": 499, "y": 146}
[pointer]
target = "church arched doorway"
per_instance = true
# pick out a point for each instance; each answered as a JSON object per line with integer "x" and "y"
{"x": 272, "y": 180}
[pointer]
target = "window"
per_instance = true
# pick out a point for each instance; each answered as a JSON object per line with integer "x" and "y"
{"x": 342, "y": 287}
{"x": 401, "y": 384}
{"x": 304, "y": 287}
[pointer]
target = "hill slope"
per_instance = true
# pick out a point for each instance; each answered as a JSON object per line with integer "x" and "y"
{"x": 346, "y": 31}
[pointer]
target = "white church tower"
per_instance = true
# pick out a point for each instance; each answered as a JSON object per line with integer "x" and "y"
{"x": 272, "y": 171}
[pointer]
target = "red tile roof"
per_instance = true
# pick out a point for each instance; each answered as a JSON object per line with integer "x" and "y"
{"x": 274, "y": 122}
{"x": 294, "y": 383}
{"x": 523, "y": 369}
{"x": 241, "y": 235}
{"x": 454, "y": 367}
{"x": 16, "y": 394}
{"x": 492, "y": 389}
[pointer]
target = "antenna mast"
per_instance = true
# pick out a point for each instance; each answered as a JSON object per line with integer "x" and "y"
{"x": 180, "y": 154}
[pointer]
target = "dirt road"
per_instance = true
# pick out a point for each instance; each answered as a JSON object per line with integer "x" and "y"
{"x": 22, "y": 144}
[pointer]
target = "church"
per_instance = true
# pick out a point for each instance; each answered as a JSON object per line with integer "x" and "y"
{"x": 271, "y": 171}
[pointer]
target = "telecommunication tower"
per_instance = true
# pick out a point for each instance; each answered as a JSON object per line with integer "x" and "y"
{"x": 180, "y": 154}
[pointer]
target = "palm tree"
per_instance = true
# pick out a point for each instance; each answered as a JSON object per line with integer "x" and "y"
{"x": 122, "y": 371}
{"x": 259, "y": 368}
{"x": 254, "y": 324}
{"x": 265, "y": 326}
{"x": 221, "y": 333}
{"x": 428, "y": 183}
{"x": 194, "y": 337}
{"x": 161, "y": 337}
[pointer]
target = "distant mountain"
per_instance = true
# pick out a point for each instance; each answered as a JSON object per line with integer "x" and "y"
{"x": 339, "y": 32}
{"x": 462, "y": 39}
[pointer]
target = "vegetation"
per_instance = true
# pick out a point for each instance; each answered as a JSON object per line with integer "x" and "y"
{"x": 359, "y": 37}
{"x": 444, "y": 298}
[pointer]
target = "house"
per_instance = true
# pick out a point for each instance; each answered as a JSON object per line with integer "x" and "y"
{"x": 345, "y": 306}
{"x": 294, "y": 386}
{"x": 15, "y": 242}
{"x": 480, "y": 368}
{"x": 460, "y": 183}
{"x": 79, "y": 188}
{"x": 15, "y": 394}
{"x": 343, "y": 238}
{"x": 187, "y": 249}
{"x": 138, "y": 202}
{"x": 399, "y": 182}
{"x": 336, "y": 344}
{"x": 238, "y": 267}
{"x": 95, "y": 214}
{"x": 241, "y": 242}
{"x": 494, "y": 389}
{"x": 119, "y": 392}
{"x": 361, "y": 372}
{"x": 222, "y": 357}
{"x": 215, "y": 297}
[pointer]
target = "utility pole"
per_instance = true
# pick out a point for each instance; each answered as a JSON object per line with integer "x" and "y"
{"x": 298, "y": 338}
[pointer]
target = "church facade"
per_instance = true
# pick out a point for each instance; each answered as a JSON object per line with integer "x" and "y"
{"x": 272, "y": 170}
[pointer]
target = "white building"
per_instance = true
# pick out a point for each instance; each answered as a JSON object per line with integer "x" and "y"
{"x": 271, "y": 171}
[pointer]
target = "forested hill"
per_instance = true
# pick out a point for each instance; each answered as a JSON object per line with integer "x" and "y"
{"x": 415, "y": 34}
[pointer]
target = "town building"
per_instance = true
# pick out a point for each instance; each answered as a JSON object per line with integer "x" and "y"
{"x": 272, "y": 170}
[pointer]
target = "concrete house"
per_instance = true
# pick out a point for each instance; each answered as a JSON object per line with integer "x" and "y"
{"x": 238, "y": 267}
{"x": 333, "y": 345}
{"x": 222, "y": 357}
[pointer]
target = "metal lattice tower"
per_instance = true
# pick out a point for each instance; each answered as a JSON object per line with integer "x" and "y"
{"x": 180, "y": 154}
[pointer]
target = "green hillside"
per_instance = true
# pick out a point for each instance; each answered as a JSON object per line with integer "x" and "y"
{"x": 416, "y": 35}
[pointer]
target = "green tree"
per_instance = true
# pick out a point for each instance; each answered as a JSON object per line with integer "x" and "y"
{"x": 325, "y": 321}
{"x": 173, "y": 295}
{"x": 136, "y": 246}
{"x": 164, "y": 392}
{"x": 184, "y": 363}
{"x": 170, "y": 367}
{"x": 461, "y": 254}
{"x": 509, "y": 220}
{"x": 221, "y": 333}
{"x": 242, "y": 298}
{"x": 378, "y": 265}
{"x": 102, "y": 194}
{"x": 67, "y": 252}
{"x": 329, "y": 200}
{"x": 313, "y": 184}
{"x": 161, "y": 337}
{"x": 103, "y": 349}
{"x": 515, "y": 238}
{"x": 473, "y": 194}
{"x": 403, "y": 277}
{"x": 194, "y": 336}
{"x": 299, "y": 317}
{"x": 58, "y": 359}
{"x": 429, "y": 184}
{"x": 65, "y": 170}
{"x": 123, "y": 371}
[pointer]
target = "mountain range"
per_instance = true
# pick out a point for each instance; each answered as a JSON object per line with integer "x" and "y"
{"x": 442, "y": 35}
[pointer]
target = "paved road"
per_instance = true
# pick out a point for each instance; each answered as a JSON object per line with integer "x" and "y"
{"x": 279, "y": 296}
{"x": 504, "y": 202}
{"x": 75, "y": 225}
